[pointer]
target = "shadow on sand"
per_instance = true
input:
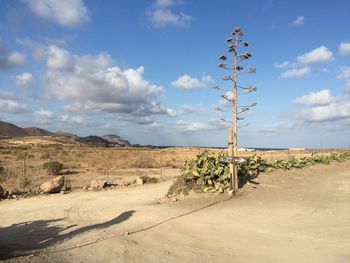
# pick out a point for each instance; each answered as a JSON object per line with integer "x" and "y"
{"x": 243, "y": 179}
{"x": 19, "y": 239}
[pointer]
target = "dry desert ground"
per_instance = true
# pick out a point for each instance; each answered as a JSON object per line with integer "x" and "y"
{"x": 285, "y": 216}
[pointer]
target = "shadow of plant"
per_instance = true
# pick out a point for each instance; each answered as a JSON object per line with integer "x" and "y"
{"x": 244, "y": 178}
{"x": 19, "y": 239}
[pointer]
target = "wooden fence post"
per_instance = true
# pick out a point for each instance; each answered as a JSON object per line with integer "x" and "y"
{"x": 233, "y": 167}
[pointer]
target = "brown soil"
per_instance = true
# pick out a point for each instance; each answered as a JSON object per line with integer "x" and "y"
{"x": 297, "y": 216}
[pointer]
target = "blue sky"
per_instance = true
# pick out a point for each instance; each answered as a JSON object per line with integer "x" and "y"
{"x": 144, "y": 69}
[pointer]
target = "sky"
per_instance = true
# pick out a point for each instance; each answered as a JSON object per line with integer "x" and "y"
{"x": 145, "y": 70}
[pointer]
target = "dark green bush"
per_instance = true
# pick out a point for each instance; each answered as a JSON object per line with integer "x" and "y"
{"x": 149, "y": 180}
{"x": 53, "y": 167}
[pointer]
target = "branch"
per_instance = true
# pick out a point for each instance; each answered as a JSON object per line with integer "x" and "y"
{"x": 248, "y": 89}
{"x": 251, "y": 70}
{"x": 243, "y": 110}
{"x": 227, "y": 98}
{"x": 224, "y": 120}
{"x": 218, "y": 88}
{"x": 222, "y": 110}
{"x": 251, "y": 105}
{"x": 227, "y": 77}
{"x": 242, "y": 126}
{"x": 224, "y": 66}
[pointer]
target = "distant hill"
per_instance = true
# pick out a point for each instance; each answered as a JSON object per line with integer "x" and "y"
{"x": 35, "y": 131}
{"x": 67, "y": 134}
{"x": 93, "y": 139}
{"x": 9, "y": 130}
{"x": 115, "y": 139}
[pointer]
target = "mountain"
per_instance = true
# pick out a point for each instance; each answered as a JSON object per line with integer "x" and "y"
{"x": 67, "y": 134}
{"x": 115, "y": 139}
{"x": 10, "y": 130}
{"x": 35, "y": 131}
{"x": 93, "y": 139}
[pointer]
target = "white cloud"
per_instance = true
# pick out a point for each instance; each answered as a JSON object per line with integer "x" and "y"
{"x": 162, "y": 15}
{"x": 318, "y": 55}
{"x": 10, "y": 59}
{"x": 347, "y": 88}
{"x": 7, "y": 95}
{"x": 12, "y": 106}
{"x": 171, "y": 112}
{"x": 183, "y": 126}
{"x": 284, "y": 64}
{"x": 296, "y": 73}
{"x": 16, "y": 59}
{"x": 299, "y": 21}
{"x": 197, "y": 126}
{"x": 277, "y": 127}
{"x": 344, "y": 48}
{"x": 155, "y": 126}
{"x": 344, "y": 73}
{"x": 301, "y": 67}
{"x": 191, "y": 109}
{"x": 92, "y": 84}
{"x": 322, "y": 97}
{"x": 58, "y": 58}
{"x": 323, "y": 107}
{"x": 44, "y": 113}
{"x": 24, "y": 79}
{"x": 67, "y": 13}
{"x": 72, "y": 120}
{"x": 166, "y": 17}
{"x": 187, "y": 82}
{"x": 331, "y": 112}
{"x": 164, "y": 3}
{"x": 39, "y": 50}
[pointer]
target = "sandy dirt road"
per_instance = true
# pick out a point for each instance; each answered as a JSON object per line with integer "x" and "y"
{"x": 297, "y": 216}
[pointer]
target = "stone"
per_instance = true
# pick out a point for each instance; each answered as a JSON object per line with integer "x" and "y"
{"x": 98, "y": 184}
{"x": 85, "y": 188}
{"x": 53, "y": 186}
{"x": 2, "y": 192}
{"x": 139, "y": 181}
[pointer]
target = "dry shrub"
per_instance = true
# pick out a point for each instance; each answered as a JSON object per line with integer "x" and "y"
{"x": 45, "y": 156}
{"x": 53, "y": 167}
{"x": 17, "y": 181}
{"x": 145, "y": 161}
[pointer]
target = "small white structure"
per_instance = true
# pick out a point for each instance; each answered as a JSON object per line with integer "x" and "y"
{"x": 296, "y": 149}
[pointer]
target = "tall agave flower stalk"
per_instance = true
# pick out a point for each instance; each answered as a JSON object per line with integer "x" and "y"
{"x": 233, "y": 62}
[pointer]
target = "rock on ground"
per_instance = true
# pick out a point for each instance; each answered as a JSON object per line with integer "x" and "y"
{"x": 98, "y": 184}
{"x": 139, "y": 181}
{"x": 53, "y": 186}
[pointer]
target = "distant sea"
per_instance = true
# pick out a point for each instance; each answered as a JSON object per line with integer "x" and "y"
{"x": 257, "y": 149}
